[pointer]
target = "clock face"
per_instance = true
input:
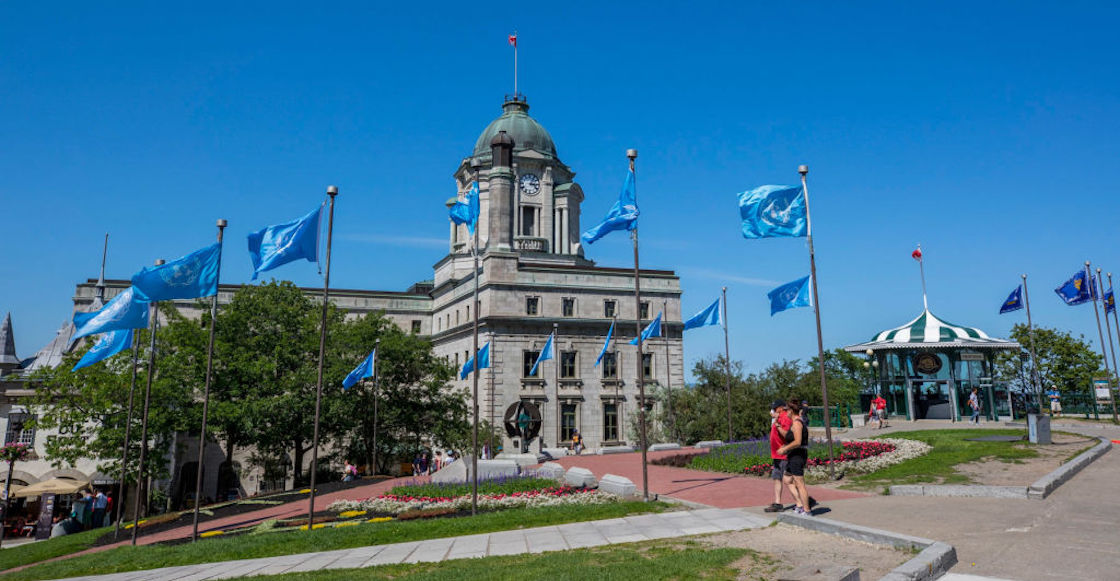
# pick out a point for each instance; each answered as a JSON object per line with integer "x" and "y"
{"x": 530, "y": 184}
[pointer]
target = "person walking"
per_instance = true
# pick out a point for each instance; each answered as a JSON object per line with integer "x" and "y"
{"x": 878, "y": 410}
{"x": 974, "y": 403}
{"x": 577, "y": 442}
{"x": 796, "y": 451}
{"x": 1055, "y": 400}
{"x": 424, "y": 464}
{"x": 100, "y": 504}
{"x": 780, "y": 423}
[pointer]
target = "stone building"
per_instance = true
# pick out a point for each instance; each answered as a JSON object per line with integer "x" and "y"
{"x": 533, "y": 280}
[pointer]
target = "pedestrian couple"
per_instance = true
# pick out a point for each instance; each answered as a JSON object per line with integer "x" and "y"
{"x": 789, "y": 451}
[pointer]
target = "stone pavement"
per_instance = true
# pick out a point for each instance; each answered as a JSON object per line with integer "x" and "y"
{"x": 536, "y": 540}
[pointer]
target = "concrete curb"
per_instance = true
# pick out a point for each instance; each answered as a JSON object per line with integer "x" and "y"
{"x": 1042, "y": 488}
{"x": 1049, "y": 483}
{"x": 934, "y": 560}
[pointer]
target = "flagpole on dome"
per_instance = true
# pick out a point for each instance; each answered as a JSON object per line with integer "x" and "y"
{"x": 206, "y": 391}
{"x": 513, "y": 43}
{"x": 332, "y": 191}
{"x": 1104, "y": 353}
{"x": 804, "y": 170}
{"x": 144, "y": 419}
{"x": 1108, "y": 325}
{"x": 476, "y": 165}
{"x": 727, "y": 362}
{"x": 632, "y": 154}
{"x": 917, "y": 255}
{"x": 1030, "y": 336}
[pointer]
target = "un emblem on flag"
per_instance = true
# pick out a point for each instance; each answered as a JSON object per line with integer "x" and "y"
{"x": 183, "y": 274}
{"x": 779, "y": 209}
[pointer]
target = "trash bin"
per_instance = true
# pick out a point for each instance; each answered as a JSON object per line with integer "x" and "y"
{"x": 1038, "y": 428}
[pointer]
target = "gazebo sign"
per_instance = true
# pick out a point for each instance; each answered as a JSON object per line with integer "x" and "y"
{"x": 972, "y": 356}
{"x": 927, "y": 363}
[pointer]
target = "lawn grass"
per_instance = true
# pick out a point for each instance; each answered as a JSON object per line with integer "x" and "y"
{"x": 504, "y": 485}
{"x": 950, "y": 448}
{"x": 49, "y": 549}
{"x": 289, "y": 543}
{"x": 645, "y": 561}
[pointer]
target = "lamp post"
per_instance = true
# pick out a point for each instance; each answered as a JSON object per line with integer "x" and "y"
{"x": 872, "y": 368}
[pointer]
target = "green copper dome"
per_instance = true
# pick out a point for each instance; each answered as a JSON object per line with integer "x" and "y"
{"x": 525, "y": 131}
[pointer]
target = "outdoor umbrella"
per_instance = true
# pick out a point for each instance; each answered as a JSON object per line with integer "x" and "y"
{"x": 54, "y": 485}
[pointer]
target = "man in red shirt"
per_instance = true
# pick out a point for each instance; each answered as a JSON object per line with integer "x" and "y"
{"x": 879, "y": 409}
{"x": 780, "y": 424}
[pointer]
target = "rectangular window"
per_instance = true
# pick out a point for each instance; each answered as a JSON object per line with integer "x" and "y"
{"x": 456, "y": 361}
{"x": 415, "y": 326}
{"x": 456, "y": 316}
{"x": 530, "y": 357}
{"x": 532, "y": 305}
{"x": 568, "y": 364}
{"x": 610, "y": 309}
{"x": 567, "y": 421}
{"x": 610, "y": 422}
{"x": 568, "y": 307}
{"x": 645, "y": 310}
{"x": 647, "y": 365}
{"x": 468, "y": 312}
{"x": 17, "y": 434}
{"x": 528, "y": 221}
{"x": 610, "y": 365}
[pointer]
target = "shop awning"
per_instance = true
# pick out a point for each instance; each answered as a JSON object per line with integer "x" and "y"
{"x": 927, "y": 331}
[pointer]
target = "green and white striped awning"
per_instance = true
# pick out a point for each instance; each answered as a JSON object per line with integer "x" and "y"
{"x": 928, "y": 331}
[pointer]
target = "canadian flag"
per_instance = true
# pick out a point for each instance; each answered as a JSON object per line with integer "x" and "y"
{"x": 513, "y": 40}
{"x": 917, "y": 254}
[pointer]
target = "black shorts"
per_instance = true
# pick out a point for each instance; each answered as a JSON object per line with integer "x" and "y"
{"x": 795, "y": 466}
{"x": 779, "y": 469}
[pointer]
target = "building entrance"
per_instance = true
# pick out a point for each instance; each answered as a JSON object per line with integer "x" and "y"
{"x": 931, "y": 400}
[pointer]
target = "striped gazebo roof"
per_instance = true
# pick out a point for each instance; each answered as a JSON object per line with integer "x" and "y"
{"x": 927, "y": 331}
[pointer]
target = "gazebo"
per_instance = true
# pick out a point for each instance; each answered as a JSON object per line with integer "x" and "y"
{"x": 927, "y": 368}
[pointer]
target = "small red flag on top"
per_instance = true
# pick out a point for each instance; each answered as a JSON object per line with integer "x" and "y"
{"x": 917, "y": 254}
{"x": 513, "y": 40}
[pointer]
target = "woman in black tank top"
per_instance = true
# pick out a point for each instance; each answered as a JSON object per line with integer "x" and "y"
{"x": 797, "y": 451}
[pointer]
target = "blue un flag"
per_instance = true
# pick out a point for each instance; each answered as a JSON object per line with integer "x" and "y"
{"x": 189, "y": 277}
{"x": 789, "y": 295}
{"x": 107, "y": 346}
{"x": 278, "y": 245}
{"x": 773, "y": 212}
{"x": 1078, "y": 290}
{"x": 546, "y": 353}
{"x": 1109, "y": 301}
{"x": 622, "y": 216}
{"x": 606, "y": 345}
{"x": 126, "y": 311}
{"x": 467, "y": 210}
{"x": 709, "y": 316}
{"x": 1014, "y": 301}
{"x": 483, "y": 362}
{"x": 362, "y": 371}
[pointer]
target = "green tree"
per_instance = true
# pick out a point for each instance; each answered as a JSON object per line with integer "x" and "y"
{"x": 1063, "y": 360}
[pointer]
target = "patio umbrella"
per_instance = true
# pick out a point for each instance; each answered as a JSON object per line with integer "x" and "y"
{"x": 54, "y": 485}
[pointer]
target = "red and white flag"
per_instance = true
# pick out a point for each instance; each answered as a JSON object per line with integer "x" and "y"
{"x": 513, "y": 40}
{"x": 917, "y": 254}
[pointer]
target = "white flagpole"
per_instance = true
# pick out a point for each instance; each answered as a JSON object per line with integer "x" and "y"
{"x": 922, "y": 269}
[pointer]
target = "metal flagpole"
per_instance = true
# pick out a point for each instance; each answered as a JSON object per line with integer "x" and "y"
{"x": 127, "y": 432}
{"x": 1114, "y": 320}
{"x": 144, "y": 420}
{"x": 727, "y": 362}
{"x": 668, "y": 377}
{"x": 1100, "y": 332}
{"x": 633, "y": 154}
{"x": 922, "y": 269}
{"x": 332, "y": 191}
{"x": 1108, "y": 326}
{"x": 491, "y": 405}
{"x": 804, "y": 170}
{"x": 515, "y": 64}
{"x": 1030, "y": 336}
{"x": 557, "y": 354}
{"x": 376, "y": 394}
{"x": 476, "y": 165}
{"x": 206, "y": 392}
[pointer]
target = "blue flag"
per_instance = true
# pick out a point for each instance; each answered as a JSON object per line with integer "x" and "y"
{"x": 126, "y": 311}
{"x": 606, "y": 345}
{"x": 623, "y": 214}
{"x": 190, "y": 277}
{"x": 1109, "y": 301}
{"x": 773, "y": 212}
{"x": 545, "y": 354}
{"x": 466, "y": 211}
{"x": 789, "y": 295}
{"x": 362, "y": 371}
{"x": 107, "y": 346}
{"x": 709, "y": 316}
{"x": 283, "y": 243}
{"x": 483, "y": 358}
{"x": 653, "y": 329}
{"x": 1014, "y": 301}
{"x": 1078, "y": 290}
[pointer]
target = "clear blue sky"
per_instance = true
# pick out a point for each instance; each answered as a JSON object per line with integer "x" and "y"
{"x": 987, "y": 132}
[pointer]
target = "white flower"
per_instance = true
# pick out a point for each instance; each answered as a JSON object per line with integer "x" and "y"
{"x": 903, "y": 450}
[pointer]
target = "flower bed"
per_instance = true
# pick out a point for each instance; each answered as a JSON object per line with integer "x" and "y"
{"x": 500, "y": 485}
{"x": 549, "y": 496}
{"x": 855, "y": 456}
